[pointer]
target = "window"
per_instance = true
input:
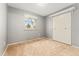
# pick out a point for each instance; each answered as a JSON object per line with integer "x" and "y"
{"x": 30, "y": 22}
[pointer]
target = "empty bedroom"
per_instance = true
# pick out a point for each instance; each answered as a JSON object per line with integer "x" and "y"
{"x": 39, "y": 29}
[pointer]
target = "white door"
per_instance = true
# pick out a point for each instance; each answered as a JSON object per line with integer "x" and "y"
{"x": 62, "y": 28}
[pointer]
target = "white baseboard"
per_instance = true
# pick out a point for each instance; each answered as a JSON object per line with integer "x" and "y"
{"x": 24, "y": 41}
{"x": 75, "y": 46}
{"x": 13, "y": 43}
{"x": 5, "y": 50}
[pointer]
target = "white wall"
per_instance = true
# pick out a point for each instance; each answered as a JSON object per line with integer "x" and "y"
{"x": 3, "y": 27}
{"x": 16, "y": 30}
{"x": 49, "y": 27}
{"x": 75, "y": 26}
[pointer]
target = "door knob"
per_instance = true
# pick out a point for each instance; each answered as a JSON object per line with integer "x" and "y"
{"x": 65, "y": 28}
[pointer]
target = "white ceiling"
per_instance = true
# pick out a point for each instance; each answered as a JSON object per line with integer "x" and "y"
{"x": 42, "y": 10}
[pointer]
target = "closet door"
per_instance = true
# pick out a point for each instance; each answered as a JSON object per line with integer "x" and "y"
{"x": 62, "y": 28}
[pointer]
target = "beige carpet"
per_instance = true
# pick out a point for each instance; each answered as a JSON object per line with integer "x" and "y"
{"x": 42, "y": 47}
